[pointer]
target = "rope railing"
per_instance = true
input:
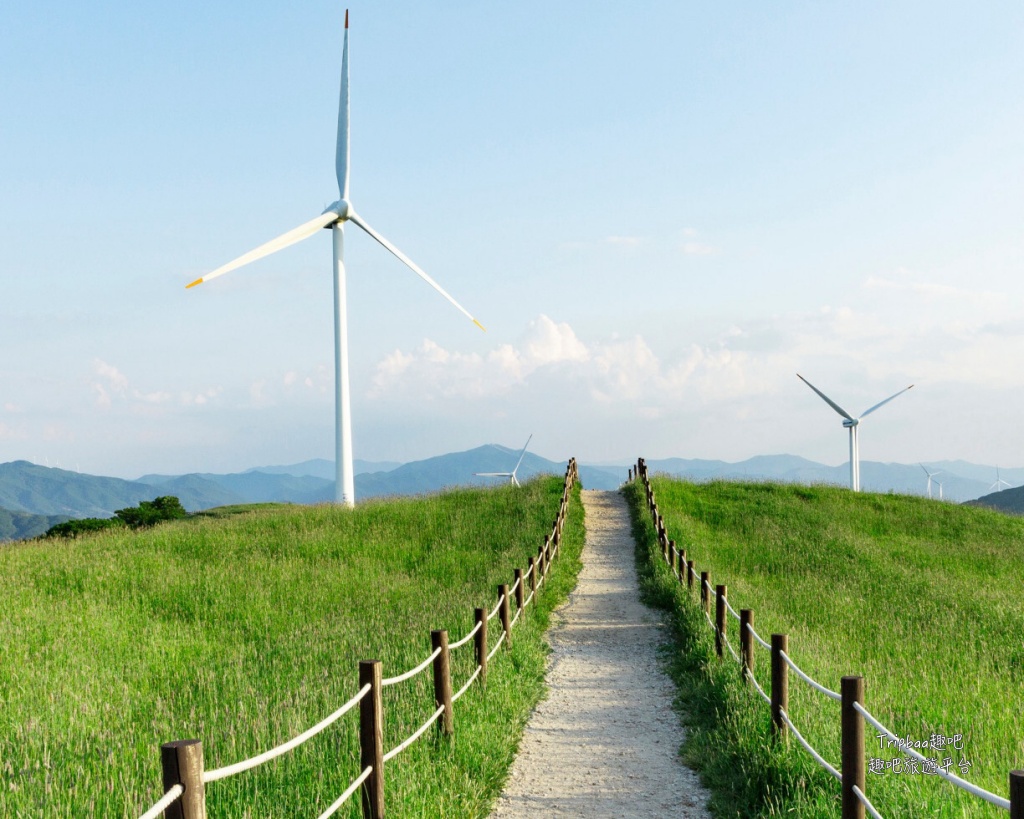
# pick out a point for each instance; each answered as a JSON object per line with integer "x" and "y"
{"x": 953, "y": 779}
{"x": 817, "y": 686}
{"x": 351, "y": 789}
{"x": 807, "y": 746}
{"x": 866, "y": 803}
{"x": 412, "y": 672}
{"x": 851, "y": 698}
{"x": 183, "y": 761}
{"x": 285, "y": 747}
{"x": 164, "y": 803}
{"x": 497, "y": 645}
{"x": 757, "y": 637}
{"x": 464, "y": 640}
{"x": 413, "y": 737}
{"x": 469, "y": 682}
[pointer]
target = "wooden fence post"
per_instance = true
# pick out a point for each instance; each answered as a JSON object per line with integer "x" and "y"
{"x": 371, "y": 739}
{"x": 182, "y": 763}
{"x": 780, "y": 685}
{"x": 532, "y": 571}
{"x": 681, "y": 565}
{"x": 480, "y": 643}
{"x": 544, "y": 556}
{"x": 1016, "y": 794}
{"x": 689, "y": 574}
{"x": 506, "y": 619}
{"x": 852, "y": 752}
{"x": 705, "y": 591}
{"x": 747, "y": 643}
{"x": 720, "y": 592}
{"x": 520, "y": 591}
{"x": 672, "y": 556}
{"x": 443, "y": 682}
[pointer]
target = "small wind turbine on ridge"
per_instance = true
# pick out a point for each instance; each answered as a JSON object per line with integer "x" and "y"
{"x": 852, "y": 424}
{"x": 334, "y": 217}
{"x": 510, "y": 475}
{"x": 930, "y": 476}
{"x": 999, "y": 483}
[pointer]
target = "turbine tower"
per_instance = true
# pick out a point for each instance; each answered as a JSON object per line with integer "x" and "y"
{"x": 335, "y": 217}
{"x": 510, "y": 475}
{"x": 852, "y": 424}
{"x": 930, "y": 476}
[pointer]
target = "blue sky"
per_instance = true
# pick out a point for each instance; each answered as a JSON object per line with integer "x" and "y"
{"x": 660, "y": 211}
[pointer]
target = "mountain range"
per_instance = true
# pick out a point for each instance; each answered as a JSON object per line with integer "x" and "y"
{"x": 33, "y": 497}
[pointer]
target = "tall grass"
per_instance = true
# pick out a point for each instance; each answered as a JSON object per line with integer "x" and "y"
{"x": 245, "y": 630}
{"x": 921, "y": 598}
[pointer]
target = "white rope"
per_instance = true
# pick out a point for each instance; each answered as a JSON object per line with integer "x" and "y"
{"x": 496, "y": 609}
{"x": 515, "y": 586}
{"x": 732, "y": 650}
{"x": 828, "y": 692}
{"x": 494, "y": 650}
{"x": 412, "y": 672}
{"x": 810, "y": 750}
{"x": 710, "y": 621}
{"x": 866, "y": 803}
{"x": 165, "y": 802}
{"x": 731, "y": 609}
{"x": 531, "y": 570}
{"x": 341, "y": 800}
{"x": 757, "y": 637}
{"x": 469, "y": 682}
{"x": 518, "y": 612}
{"x": 526, "y": 602}
{"x": 273, "y": 753}
{"x": 419, "y": 732}
{"x": 464, "y": 640}
{"x": 989, "y": 797}
{"x": 760, "y": 690}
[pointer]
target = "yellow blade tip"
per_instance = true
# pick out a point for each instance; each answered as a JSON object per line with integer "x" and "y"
{"x": 478, "y": 324}
{"x": 193, "y": 284}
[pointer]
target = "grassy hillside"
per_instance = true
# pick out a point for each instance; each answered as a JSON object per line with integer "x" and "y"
{"x": 921, "y": 598}
{"x": 245, "y": 630}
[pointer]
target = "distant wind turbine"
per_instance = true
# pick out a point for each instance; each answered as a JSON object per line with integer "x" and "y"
{"x": 335, "y": 217}
{"x": 852, "y": 424}
{"x": 510, "y": 475}
{"x": 999, "y": 483}
{"x": 939, "y": 484}
{"x": 930, "y": 476}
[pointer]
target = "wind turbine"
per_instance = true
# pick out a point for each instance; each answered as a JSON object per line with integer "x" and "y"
{"x": 510, "y": 475}
{"x": 999, "y": 482}
{"x": 852, "y": 424}
{"x": 334, "y": 217}
{"x": 940, "y": 489}
{"x": 930, "y": 476}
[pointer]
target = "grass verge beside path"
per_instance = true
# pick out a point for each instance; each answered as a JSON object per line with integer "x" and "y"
{"x": 244, "y": 631}
{"x": 921, "y": 598}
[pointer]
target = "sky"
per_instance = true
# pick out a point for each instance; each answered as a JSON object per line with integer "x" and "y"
{"x": 661, "y": 211}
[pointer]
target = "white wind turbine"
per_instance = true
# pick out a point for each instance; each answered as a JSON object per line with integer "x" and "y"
{"x": 939, "y": 484}
{"x": 930, "y": 476}
{"x": 852, "y": 424}
{"x": 335, "y": 217}
{"x": 997, "y": 486}
{"x": 510, "y": 475}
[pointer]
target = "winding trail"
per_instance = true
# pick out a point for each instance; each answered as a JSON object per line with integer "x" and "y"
{"x": 604, "y": 743}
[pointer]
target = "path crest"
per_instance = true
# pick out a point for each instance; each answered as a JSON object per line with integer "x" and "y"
{"x": 604, "y": 743}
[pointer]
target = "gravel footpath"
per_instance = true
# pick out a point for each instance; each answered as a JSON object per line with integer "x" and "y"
{"x": 604, "y": 743}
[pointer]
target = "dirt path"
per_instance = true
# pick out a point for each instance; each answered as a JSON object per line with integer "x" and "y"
{"x": 604, "y": 743}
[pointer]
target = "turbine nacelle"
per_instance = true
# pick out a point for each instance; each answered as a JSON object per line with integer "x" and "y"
{"x": 342, "y": 208}
{"x": 848, "y": 423}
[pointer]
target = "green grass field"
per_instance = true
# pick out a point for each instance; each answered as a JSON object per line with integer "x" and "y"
{"x": 922, "y": 598}
{"x": 244, "y": 629}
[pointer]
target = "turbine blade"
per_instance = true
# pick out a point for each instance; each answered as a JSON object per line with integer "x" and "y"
{"x": 883, "y": 403}
{"x": 522, "y": 455}
{"x": 413, "y": 266}
{"x": 827, "y": 400}
{"x": 342, "y": 152}
{"x": 303, "y": 231}
{"x": 494, "y": 474}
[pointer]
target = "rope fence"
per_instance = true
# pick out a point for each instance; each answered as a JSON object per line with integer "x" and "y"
{"x": 185, "y": 778}
{"x": 852, "y": 771}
